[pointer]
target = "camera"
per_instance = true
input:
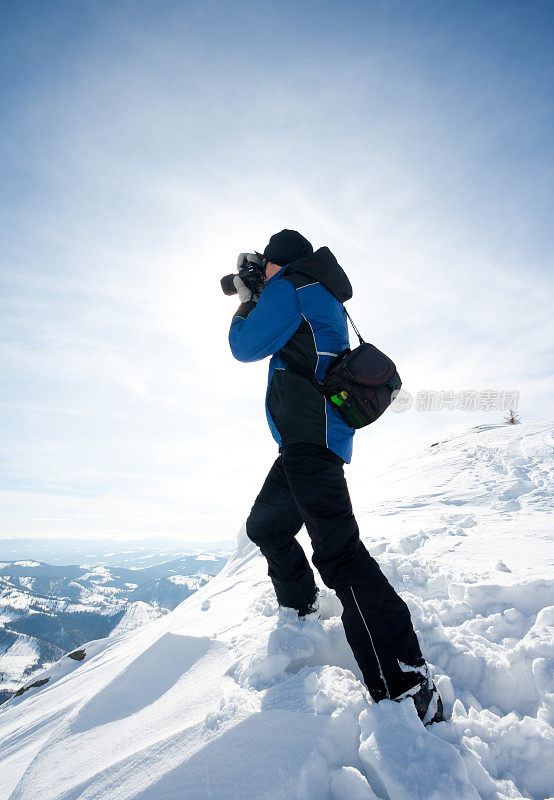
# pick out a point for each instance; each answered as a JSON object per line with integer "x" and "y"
{"x": 251, "y": 274}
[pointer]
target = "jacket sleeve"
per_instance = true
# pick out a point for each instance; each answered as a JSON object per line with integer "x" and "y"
{"x": 260, "y": 329}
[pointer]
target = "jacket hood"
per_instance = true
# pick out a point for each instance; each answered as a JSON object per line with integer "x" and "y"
{"x": 322, "y": 266}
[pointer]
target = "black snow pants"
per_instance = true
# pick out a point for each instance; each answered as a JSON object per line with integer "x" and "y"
{"x": 306, "y": 485}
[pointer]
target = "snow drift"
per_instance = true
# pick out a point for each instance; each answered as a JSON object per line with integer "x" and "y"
{"x": 227, "y": 697}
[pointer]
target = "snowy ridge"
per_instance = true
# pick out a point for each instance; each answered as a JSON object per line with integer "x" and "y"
{"x": 227, "y": 697}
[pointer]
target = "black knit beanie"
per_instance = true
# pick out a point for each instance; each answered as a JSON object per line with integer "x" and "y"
{"x": 287, "y": 246}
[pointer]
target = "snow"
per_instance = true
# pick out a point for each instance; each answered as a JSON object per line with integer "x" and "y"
{"x": 23, "y": 653}
{"x": 228, "y": 697}
{"x": 192, "y": 581}
{"x": 136, "y": 614}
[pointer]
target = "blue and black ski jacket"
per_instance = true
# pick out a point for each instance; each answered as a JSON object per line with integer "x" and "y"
{"x": 300, "y": 313}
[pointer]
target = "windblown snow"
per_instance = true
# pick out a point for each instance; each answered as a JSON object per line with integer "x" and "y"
{"x": 228, "y": 698}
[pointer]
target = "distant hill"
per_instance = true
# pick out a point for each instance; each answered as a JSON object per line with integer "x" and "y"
{"x": 47, "y": 610}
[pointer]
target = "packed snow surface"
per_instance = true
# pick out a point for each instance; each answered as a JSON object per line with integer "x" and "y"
{"x": 230, "y": 698}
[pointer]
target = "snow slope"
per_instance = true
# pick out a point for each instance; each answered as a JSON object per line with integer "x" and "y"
{"x": 227, "y": 697}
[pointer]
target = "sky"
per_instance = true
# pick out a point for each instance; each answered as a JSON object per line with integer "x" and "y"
{"x": 146, "y": 144}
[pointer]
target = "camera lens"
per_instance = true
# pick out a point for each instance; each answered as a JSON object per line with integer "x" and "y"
{"x": 227, "y": 285}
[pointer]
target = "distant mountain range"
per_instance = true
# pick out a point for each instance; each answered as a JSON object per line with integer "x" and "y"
{"x": 117, "y": 552}
{"x": 49, "y": 610}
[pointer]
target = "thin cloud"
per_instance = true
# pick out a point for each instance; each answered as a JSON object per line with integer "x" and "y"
{"x": 144, "y": 152}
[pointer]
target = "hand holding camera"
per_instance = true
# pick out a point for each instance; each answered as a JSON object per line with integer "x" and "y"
{"x": 245, "y": 258}
{"x": 244, "y": 293}
{"x": 246, "y": 261}
{"x": 249, "y": 282}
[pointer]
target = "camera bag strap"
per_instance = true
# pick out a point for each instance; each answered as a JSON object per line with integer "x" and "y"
{"x": 306, "y": 373}
{"x": 358, "y": 383}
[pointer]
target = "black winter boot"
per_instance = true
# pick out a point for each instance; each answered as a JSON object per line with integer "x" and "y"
{"x": 311, "y": 608}
{"x": 428, "y": 704}
{"x": 427, "y": 700}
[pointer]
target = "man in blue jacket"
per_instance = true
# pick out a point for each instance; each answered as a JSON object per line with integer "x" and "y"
{"x": 299, "y": 321}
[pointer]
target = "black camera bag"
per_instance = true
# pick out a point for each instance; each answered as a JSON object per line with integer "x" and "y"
{"x": 360, "y": 384}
